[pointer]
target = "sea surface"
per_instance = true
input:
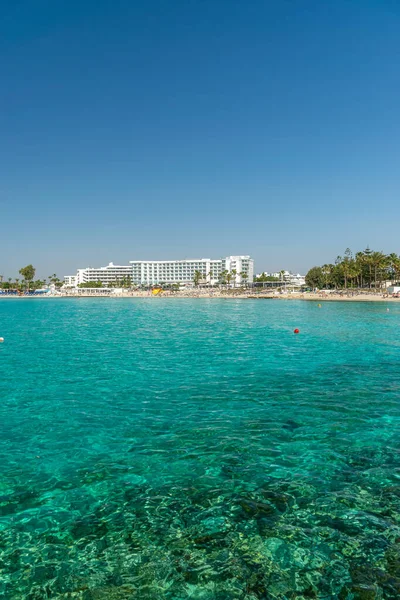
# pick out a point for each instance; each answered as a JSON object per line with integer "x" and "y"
{"x": 175, "y": 448}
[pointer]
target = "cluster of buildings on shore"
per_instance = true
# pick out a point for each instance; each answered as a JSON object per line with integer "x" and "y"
{"x": 162, "y": 272}
{"x": 207, "y": 271}
{"x": 287, "y": 277}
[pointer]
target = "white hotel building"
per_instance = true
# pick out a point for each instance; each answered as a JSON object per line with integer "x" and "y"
{"x": 109, "y": 275}
{"x": 153, "y": 272}
{"x": 70, "y": 281}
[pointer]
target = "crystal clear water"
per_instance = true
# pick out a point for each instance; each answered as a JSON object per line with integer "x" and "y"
{"x": 199, "y": 449}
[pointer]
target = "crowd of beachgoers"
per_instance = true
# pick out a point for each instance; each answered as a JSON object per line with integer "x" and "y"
{"x": 232, "y": 293}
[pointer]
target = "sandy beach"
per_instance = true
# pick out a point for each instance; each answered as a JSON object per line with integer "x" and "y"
{"x": 224, "y": 294}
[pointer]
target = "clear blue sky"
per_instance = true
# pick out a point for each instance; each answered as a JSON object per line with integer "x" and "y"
{"x": 191, "y": 128}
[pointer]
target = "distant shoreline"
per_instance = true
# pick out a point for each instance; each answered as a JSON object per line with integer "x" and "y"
{"x": 311, "y": 297}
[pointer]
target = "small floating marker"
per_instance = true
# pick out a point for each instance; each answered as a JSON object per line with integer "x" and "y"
{"x": 319, "y": 305}
{"x": 387, "y": 310}
{"x": 296, "y": 330}
{"x": 1, "y": 340}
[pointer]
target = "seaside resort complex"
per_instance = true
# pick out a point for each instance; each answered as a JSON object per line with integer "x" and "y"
{"x": 154, "y": 272}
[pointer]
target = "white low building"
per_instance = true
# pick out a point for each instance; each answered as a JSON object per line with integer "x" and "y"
{"x": 111, "y": 275}
{"x": 297, "y": 279}
{"x": 287, "y": 277}
{"x": 70, "y": 281}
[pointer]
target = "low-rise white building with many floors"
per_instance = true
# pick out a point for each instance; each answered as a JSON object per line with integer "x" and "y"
{"x": 157, "y": 272}
{"x": 110, "y": 275}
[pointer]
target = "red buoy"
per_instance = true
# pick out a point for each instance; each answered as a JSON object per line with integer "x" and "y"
{"x": 296, "y": 330}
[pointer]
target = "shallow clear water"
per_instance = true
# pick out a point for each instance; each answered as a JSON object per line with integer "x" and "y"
{"x": 199, "y": 449}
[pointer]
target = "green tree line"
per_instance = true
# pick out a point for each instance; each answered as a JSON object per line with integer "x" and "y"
{"x": 27, "y": 280}
{"x": 224, "y": 277}
{"x": 263, "y": 278}
{"x": 365, "y": 269}
{"x": 125, "y": 282}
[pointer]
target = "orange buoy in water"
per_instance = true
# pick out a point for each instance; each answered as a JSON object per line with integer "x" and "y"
{"x": 296, "y": 330}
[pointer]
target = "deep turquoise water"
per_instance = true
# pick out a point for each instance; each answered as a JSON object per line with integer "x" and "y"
{"x": 199, "y": 449}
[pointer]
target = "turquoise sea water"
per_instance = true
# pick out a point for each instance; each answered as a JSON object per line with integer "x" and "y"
{"x": 199, "y": 449}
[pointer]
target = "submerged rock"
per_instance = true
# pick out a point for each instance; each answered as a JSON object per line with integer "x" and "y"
{"x": 278, "y": 499}
{"x": 257, "y": 509}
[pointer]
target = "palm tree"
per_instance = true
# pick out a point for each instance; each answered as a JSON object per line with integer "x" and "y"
{"x": 353, "y": 270}
{"x": 377, "y": 261}
{"x": 228, "y": 278}
{"x": 327, "y": 272}
{"x": 282, "y": 278}
{"x": 383, "y": 269}
{"x": 210, "y": 276}
{"x": 198, "y": 276}
{"x": 394, "y": 265}
{"x": 244, "y": 276}
{"x": 223, "y": 276}
{"x": 361, "y": 262}
{"x": 233, "y": 274}
{"x": 346, "y": 270}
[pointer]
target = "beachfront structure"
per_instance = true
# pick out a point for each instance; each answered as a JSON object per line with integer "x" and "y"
{"x": 293, "y": 279}
{"x": 156, "y": 272}
{"x": 151, "y": 272}
{"x": 109, "y": 275}
{"x": 70, "y": 281}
